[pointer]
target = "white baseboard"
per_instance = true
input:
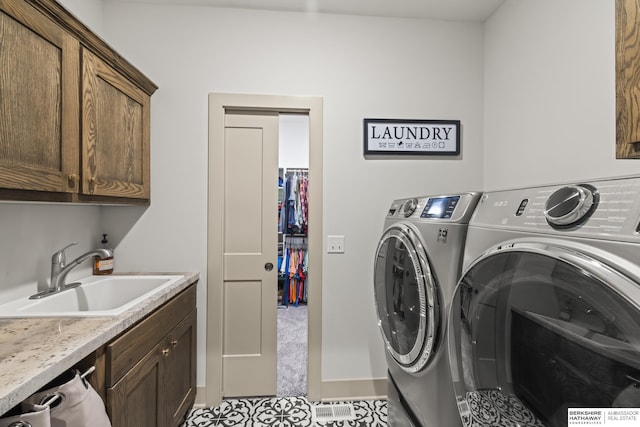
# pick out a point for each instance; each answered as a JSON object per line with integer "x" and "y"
{"x": 368, "y": 389}
{"x": 333, "y": 390}
{"x": 201, "y": 394}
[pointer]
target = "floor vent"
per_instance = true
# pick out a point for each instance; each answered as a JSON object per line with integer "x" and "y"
{"x": 330, "y": 413}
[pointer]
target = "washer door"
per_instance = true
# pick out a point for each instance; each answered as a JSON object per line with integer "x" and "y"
{"x": 406, "y": 297}
{"x": 536, "y": 329}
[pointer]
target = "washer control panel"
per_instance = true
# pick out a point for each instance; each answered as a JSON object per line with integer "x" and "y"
{"x": 448, "y": 208}
{"x": 440, "y": 207}
{"x": 409, "y": 207}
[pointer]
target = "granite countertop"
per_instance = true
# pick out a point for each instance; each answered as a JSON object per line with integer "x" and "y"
{"x": 34, "y": 351}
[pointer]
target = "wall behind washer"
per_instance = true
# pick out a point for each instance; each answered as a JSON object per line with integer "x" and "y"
{"x": 550, "y": 93}
{"x": 362, "y": 67}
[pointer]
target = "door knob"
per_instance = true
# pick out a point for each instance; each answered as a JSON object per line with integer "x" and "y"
{"x": 268, "y": 266}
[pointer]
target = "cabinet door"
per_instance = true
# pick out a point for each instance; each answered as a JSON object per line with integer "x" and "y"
{"x": 136, "y": 400}
{"x": 39, "y": 109}
{"x": 180, "y": 370}
{"x": 115, "y": 133}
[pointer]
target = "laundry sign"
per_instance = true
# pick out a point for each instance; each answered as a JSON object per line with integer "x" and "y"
{"x": 411, "y": 137}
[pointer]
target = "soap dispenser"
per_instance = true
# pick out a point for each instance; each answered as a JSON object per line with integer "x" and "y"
{"x": 103, "y": 266}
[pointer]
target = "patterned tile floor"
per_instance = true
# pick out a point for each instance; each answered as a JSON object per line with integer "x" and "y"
{"x": 282, "y": 412}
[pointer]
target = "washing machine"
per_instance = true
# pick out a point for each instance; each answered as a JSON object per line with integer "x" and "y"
{"x": 544, "y": 328}
{"x": 417, "y": 263}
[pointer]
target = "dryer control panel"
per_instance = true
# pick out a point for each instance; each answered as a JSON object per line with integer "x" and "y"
{"x": 605, "y": 208}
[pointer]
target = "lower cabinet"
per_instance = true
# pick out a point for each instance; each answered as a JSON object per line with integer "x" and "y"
{"x": 150, "y": 370}
{"x": 138, "y": 398}
{"x": 180, "y": 371}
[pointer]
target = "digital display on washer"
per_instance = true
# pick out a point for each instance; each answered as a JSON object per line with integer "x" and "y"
{"x": 440, "y": 207}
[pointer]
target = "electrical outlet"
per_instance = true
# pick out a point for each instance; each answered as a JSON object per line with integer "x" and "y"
{"x": 335, "y": 244}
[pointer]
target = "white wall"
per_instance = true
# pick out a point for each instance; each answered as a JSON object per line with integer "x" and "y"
{"x": 363, "y": 67}
{"x": 87, "y": 11}
{"x": 550, "y": 93}
{"x": 32, "y": 232}
{"x": 293, "y": 141}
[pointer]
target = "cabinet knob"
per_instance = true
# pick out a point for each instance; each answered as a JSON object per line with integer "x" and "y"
{"x": 74, "y": 177}
{"x": 165, "y": 352}
{"x": 174, "y": 343}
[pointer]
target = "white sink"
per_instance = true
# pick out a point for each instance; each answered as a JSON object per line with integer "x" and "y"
{"x": 97, "y": 296}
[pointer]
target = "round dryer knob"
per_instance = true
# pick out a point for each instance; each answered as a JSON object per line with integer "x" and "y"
{"x": 409, "y": 207}
{"x": 568, "y": 205}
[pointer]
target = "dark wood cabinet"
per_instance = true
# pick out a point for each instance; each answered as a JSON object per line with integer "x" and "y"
{"x": 180, "y": 371}
{"x": 151, "y": 368}
{"x": 74, "y": 115}
{"x": 147, "y": 375}
{"x": 115, "y": 132}
{"x": 38, "y": 102}
{"x": 137, "y": 399}
{"x": 627, "y": 50}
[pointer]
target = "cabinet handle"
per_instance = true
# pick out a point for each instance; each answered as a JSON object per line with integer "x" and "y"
{"x": 74, "y": 177}
{"x": 174, "y": 343}
{"x": 92, "y": 184}
{"x": 165, "y": 352}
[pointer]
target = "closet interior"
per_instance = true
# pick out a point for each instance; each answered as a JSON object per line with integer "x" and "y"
{"x": 293, "y": 257}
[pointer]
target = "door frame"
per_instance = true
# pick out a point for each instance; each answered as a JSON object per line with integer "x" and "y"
{"x": 219, "y": 104}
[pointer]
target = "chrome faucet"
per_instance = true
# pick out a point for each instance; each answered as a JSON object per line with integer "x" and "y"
{"x": 60, "y": 269}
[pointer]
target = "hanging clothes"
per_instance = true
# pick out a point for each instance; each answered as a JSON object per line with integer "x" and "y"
{"x": 295, "y": 206}
{"x": 294, "y": 269}
{"x": 293, "y": 224}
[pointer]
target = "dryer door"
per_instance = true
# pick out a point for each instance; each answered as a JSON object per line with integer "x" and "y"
{"x": 406, "y": 297}
{"x": 536, "y": 329}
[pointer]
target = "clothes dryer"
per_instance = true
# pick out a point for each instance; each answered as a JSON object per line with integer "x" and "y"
{"x": 546, "y": 316}
{"x": 417, "y": 264}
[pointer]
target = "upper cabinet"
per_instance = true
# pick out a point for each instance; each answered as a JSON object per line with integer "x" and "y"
{"x": 115, "y": 132}
{"x": 627, "y": 79}
{"x": 39, "y": 64}
{"x": 74, "y": 115}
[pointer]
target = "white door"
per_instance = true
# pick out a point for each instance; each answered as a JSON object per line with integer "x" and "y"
{"x": 250, "y": 254}
{"x": 221, "y": 347}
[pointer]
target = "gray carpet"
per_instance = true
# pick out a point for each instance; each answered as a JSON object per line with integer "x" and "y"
{"x": 292, "y": 351}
